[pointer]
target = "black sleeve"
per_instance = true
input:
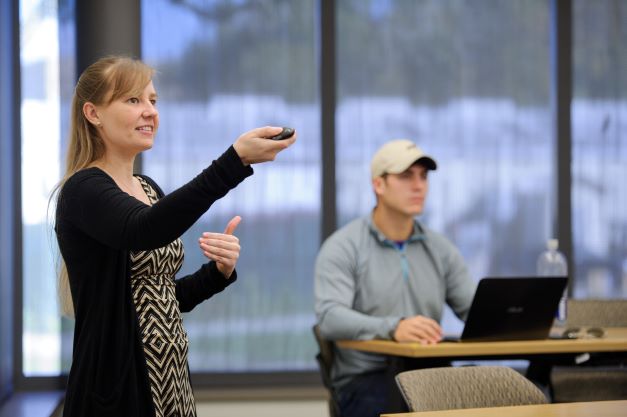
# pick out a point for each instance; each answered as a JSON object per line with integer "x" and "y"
{"x": 92, "y": 202}
{"x": 193, "y": 289}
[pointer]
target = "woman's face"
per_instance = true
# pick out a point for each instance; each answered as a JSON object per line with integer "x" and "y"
{"x": 129, "y": 124}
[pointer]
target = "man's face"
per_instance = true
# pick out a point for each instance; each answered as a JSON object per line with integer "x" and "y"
{"x": 404, "y": 193}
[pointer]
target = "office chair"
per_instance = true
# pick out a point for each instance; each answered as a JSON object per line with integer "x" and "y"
{"x": 602, "y": 377}
{"x": 450, "y": 388}
{"x": 325, "y": 362}
{"x": 596, "y": 313}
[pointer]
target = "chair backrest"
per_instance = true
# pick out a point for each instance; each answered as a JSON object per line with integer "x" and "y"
{"x": 324, "y": 357}
{"x": 596, "y": 313}
{"x": 325, "y": 362}
{"x": 450, "y": 388}
{"x": 602, "y": 377}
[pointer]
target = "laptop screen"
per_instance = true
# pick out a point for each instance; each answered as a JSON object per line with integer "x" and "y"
{"x": 513, "y": 308}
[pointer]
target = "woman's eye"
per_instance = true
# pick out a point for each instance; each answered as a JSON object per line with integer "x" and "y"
{"x": 154, "y": 102}
{"x": 133, "y": 100}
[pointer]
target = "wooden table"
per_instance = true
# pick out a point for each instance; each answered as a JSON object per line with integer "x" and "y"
{"x": 615, "y": 340}
{"x": 587, "y": 409}
{"x": 542, "y": 354}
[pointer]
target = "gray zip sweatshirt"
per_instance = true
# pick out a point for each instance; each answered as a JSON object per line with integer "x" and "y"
{"x": 365, "y": 284}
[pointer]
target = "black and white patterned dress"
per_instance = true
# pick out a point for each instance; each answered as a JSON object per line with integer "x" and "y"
{"x": 164, "y": 338}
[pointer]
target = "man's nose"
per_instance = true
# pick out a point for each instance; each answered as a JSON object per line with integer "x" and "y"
{"x": 418, "y": 182}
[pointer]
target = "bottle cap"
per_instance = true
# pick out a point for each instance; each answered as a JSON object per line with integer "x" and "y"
{"x": 552, "y": 244}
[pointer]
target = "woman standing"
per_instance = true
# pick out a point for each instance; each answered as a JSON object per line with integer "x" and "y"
{"x": 119, "y": 240}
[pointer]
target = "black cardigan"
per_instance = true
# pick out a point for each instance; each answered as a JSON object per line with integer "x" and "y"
{"x": 97, "y": 224}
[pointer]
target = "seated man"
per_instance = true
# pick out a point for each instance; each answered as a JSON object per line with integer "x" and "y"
{"x": 386, "y": 276}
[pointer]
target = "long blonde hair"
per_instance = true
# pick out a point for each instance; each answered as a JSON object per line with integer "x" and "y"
{"x": 101, "y": 83}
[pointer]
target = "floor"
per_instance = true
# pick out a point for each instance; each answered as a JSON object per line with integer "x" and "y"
{"x": 35, "y": 404}
{"x": 45, "y": 404}
{"x": 299, "y": 408}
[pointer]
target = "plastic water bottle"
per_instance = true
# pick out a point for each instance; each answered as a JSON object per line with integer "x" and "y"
{"x": 552, "y": 263}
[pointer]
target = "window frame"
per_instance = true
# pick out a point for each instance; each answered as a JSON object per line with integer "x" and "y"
{"x": 561, "y": 85}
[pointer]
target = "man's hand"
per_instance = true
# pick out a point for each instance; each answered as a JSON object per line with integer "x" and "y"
{"x": 418, "y": 329}
{"x": 223, "y": 248}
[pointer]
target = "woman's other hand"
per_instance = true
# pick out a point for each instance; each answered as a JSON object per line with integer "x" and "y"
{"x": 254, "y": 146}
{"x": 223, "y": 248}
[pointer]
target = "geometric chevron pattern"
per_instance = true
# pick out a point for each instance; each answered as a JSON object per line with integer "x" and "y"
{"x": 164, "y": 338}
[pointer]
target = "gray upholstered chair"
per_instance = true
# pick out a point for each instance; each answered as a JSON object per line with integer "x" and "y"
{"x": 601, "y": 377}
{"x": 450, "y": 388}
{"x": 596, "y": 313}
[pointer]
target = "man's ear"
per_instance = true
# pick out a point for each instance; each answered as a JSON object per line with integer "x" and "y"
{"x": 378, "y": 185}
{"x": 91, "y": 113}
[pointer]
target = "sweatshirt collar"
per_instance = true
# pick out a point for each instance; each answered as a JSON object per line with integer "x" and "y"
{"x": 417, "y": 234}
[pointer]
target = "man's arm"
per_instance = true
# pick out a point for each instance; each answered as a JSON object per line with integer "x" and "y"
{"x": 335, "y": 288}
{"x": 460, "y": 287}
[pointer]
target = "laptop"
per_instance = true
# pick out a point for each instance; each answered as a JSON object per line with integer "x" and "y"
{"x": 513, "y": 308}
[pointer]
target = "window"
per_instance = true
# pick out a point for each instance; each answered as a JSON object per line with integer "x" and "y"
{"x": 8, "y": 200}
{"x": 224, "y": 68}
{"x": 41, "y": 144}
{"x": 47, "y": 80}
{"x": 599, "y": 167}
{"x": 469, "y": 83}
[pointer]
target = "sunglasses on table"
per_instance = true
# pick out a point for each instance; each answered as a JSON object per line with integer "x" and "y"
{"x": 583, "y": 333}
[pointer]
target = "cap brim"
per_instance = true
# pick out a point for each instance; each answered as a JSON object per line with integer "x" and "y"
{"x": 427, "y": 162}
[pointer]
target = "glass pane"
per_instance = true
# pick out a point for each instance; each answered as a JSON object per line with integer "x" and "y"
{"x": 8, "y": 111}
{"x": 599, "y": 169}
{"x": 468, "y": 82}
{"x": 67, "y": 80}
{"x": 223, "y": 68}
{"x": 40, "y": 112}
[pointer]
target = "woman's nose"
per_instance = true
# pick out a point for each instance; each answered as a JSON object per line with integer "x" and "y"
{"x": 149, "y": 111}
